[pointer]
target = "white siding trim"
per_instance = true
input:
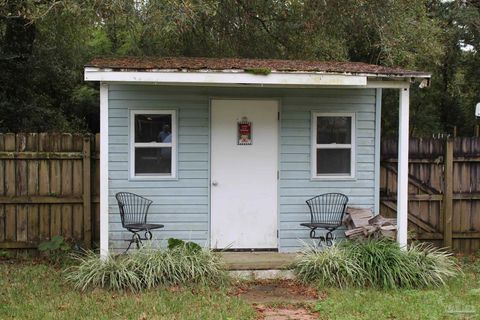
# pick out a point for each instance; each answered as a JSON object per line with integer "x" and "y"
{"x": 132, "y": 144}
{"x": 351, "y": 146}
{"x": 378, "y": 129}
{"x": 402, "y": 178}
{"x": 104, "y": 171}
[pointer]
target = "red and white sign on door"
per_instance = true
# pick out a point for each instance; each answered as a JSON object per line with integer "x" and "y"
{"x": 244, "y": 132}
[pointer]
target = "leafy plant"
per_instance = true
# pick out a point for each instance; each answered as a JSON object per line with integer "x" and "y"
{"x": 188, "y": 245}
{"x": 377, "y": 263}
{"x": 148, "y": 268}
{"x": 55, "y": 249}
{"x": 330, "y": 267}
{"x": 113, "y": 273}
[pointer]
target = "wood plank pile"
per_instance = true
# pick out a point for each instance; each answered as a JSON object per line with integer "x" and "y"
{"x": 361, "y": 224}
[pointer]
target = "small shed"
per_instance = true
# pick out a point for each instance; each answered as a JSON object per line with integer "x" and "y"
{"x": 230, "y": 149}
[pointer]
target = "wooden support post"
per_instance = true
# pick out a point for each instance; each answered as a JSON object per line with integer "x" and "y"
{"x": 402, "y": 177}
{"x": 476, "y": 131}
{"x": 87, "y": 192}
{"x": 448, "y": 194}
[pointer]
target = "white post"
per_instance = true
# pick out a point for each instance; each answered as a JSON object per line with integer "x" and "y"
{"x": 402, "y": 179}
{"x": 378, "y": 128}
{"x": 103, "y": 170}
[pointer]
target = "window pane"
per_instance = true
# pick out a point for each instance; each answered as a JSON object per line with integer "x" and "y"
{"x": 153, "y": 160}
{"x": 334, "y": 130}
{"x": 333, "y": 161}
{"x": 153, "y": 128}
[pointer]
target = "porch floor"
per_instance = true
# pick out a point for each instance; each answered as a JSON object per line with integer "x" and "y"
{"x": 257, "y": 260}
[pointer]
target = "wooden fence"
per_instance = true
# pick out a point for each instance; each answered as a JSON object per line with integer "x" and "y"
{"x": 444, "y": 190}
{"x": 48, "y": 186}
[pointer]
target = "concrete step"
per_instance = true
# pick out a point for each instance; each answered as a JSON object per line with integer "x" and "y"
{"x": 258, "y": 260}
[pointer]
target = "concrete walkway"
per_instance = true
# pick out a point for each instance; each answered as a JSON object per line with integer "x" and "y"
{"x": 258, "y": 260}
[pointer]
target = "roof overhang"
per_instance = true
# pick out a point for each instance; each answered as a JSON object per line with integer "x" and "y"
{"x": 235, "y": 78}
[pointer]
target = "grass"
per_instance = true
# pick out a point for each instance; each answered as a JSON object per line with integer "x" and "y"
{"x": 458, "y": 300}
{"x": 38, "y": 291}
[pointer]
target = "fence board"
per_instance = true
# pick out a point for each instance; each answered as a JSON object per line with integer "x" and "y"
{"x": 428, "y": 189}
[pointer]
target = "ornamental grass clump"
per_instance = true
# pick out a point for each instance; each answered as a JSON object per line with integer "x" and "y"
{"x": 378, "y": 263}
{"x": 112, "y": 273}
{"x": 330, "y": 267}
{"x": 148, "y": 268}
{"x": 387, "y": 266}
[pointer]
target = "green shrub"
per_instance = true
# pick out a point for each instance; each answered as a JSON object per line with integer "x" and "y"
{"x": 56, "y": 249}
{"x": 148, "y": 268}
{"x": 189, "y": 245}
{"x": 377, "y": 263}
{"x": 113, "y": 273}
{"x": 435, "y": 265}
{"x": 329, "y": 267}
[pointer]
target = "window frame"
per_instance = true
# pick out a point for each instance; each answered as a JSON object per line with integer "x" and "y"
{"x": 133, "y": 145}
{"x": 315, "y": 147}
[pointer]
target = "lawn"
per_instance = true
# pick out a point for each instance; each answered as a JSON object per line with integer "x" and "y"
{"x": 29, "y": 291}
{"x": 37, "y": 291}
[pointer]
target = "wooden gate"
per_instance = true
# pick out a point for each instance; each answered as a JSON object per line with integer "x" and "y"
{"x": 444, "y": 190}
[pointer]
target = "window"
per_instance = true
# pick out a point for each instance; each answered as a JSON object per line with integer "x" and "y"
{"x": 333, "y": 152}
{"x": 153, "y": 144}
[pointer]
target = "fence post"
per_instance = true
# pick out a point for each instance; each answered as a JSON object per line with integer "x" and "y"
{"x": 448, "y": 194}
{"x": 87, "y": 192}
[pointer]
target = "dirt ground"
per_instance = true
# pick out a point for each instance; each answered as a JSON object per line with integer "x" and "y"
{"x": 279, "y": 299}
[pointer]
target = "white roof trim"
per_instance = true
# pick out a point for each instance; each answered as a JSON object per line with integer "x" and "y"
{"x": 219, "y": 78}
{"x": 223, "y": 78}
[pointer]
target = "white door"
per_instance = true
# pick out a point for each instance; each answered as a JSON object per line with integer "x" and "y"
{"x": 244, "y": 177}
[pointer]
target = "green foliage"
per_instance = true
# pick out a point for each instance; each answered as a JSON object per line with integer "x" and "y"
{"x": 57, "y": 243}
{"x": 44, "y": 45}
{"x": 386, "y": 265}
{"x": 55, "y": 249}
{"x": 189, "y": 246}
{"x": 147, "y": 268}
{"x": 5, "y": 255}
{"x": 38, "y": 291}
{"x": 332, "y": 267}
{"x": 376, "y": 263}
{"x": 259, "y": 71}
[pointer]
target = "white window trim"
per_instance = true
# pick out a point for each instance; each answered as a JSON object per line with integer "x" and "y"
{"x": 134, "y": 144}
{"x": 314, "y": 146}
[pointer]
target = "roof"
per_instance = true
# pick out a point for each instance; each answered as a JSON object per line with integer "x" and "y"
{"x": 250, "y": 65}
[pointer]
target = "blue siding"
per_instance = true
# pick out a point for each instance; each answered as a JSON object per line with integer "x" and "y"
{"x": 296, "y": 184}
{"x": 183, "y": 204}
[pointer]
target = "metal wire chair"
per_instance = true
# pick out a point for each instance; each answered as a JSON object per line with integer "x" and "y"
{"x": 326, "y": 212}
{"x": 133, "y": 213}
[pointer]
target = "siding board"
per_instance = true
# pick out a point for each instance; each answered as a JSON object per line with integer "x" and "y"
{"x": 182, "y": 204}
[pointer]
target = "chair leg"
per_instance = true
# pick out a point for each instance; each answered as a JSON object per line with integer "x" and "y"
{"x": 135, "y": 239}
{"x": 329, "y": 238}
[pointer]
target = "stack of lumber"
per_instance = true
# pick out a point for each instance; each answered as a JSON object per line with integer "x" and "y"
{"x": 361, "y": 223}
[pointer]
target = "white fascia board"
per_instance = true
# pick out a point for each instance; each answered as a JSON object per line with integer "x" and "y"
{"x": 388, "y": 84}
{"x": 225, "y": 78}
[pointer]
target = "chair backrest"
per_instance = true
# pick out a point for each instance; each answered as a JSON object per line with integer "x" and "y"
{"x": 328, "y": 208}
{"x": 133, "y": 208}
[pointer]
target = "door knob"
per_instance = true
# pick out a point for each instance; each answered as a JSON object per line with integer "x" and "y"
{"x": 214, "y": 183}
